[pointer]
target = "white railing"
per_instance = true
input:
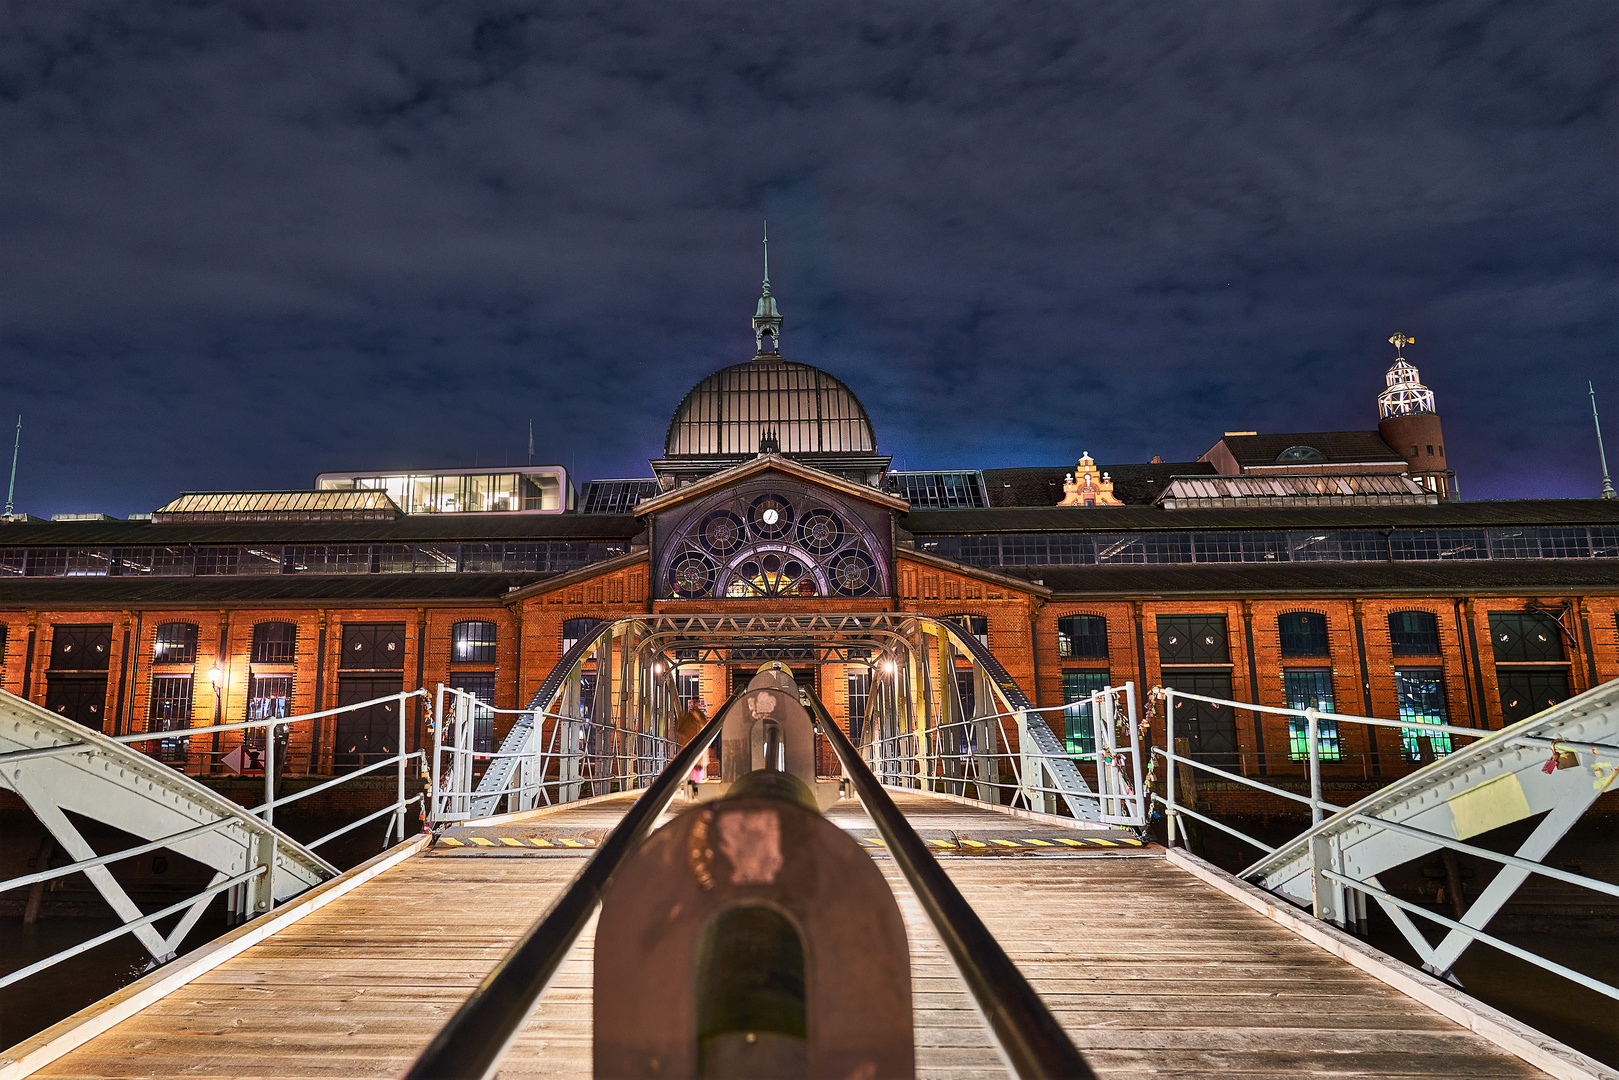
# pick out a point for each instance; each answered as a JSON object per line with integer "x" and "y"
{"x": 976, "y": 758}
{"x": 1381, "y": 832}
{"x": 566, "y": 759}
{"x": 1319, "y": 807}
{"x": 250, "y": 892}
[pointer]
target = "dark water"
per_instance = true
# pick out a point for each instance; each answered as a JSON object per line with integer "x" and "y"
{"x": 40, "y": 1000}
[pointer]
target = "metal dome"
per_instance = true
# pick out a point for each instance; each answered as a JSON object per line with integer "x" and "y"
{"x": 803, "y": 408}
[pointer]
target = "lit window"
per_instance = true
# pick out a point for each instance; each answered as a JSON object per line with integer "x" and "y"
{"x": 472, "y": 642}
{"x": 1077, "y": 687}
{"x": 1082, "y": 637}
{"x": 1310, "y": 688}
{"x": 1422, "y": 700}
{"x": 175, "y": 643}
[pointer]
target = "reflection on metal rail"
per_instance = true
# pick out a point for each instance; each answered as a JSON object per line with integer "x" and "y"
{"x": 57, "y": 766}
{"x": 1027, "y": 1035}
{"x": 1555, "y": 763}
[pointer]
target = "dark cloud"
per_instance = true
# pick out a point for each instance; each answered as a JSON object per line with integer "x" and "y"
{"x": 246, "y": 242}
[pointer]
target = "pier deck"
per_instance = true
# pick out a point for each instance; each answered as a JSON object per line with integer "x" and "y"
{"x": 1153, "y": 971}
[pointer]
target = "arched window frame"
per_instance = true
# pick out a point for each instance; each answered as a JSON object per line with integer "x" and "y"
{"x": 275, "y": 642}
{"x": 473, "y": 641}
{"x": 573, "y": 630}
{"x": 174, "y": 643}
{"x": 1407, "y": 640}
{"x": 1303, "y": 633}
{"x": 1077, "y": 638}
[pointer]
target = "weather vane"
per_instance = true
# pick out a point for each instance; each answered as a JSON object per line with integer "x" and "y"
{"x": 1400, "y": 341}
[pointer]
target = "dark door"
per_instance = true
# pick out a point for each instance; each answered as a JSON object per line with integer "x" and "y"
{"x": 1526, "y": 691}
{"x": 1210, "y": 729}
{"x": 374, "y": 646}
{"x": 81, "y": 647}
{"x": 80, "y": 698}
{"x": 366, "y": 735}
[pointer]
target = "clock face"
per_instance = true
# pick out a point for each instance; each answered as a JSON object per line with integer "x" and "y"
{"x": 771, "y": 516}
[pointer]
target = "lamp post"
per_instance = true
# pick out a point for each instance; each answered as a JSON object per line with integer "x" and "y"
{"x": 216, "y": 679}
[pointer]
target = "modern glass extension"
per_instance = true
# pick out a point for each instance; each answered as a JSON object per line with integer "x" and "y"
{"x": 539, "y": 489}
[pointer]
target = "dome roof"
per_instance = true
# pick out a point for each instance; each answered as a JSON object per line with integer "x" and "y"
{"x": 806, "y": 410}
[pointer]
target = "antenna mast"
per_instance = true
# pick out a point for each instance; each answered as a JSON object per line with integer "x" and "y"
{"x": 1608, "y": 483}
{"x": 17, "y": 445}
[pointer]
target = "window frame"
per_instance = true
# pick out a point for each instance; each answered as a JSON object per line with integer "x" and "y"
{"x": 1078, "y": 684}
{"x": 1310, "y": 638}
{"x": 1414, "y": 642}
{"x": 1069, "y": 643}
{"x": 1439, "y": 740}
{"x": 464, "y": 650}
{"x": 1329, "y": 747}
{"x": 187, "y": 648}
{"x": 267, "y": 650}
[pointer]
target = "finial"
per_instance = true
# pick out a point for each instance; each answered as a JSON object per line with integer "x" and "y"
{"x": 767, "y": 258}
{"x": 1400, "y": 341}
{"x": 767, "y": 316}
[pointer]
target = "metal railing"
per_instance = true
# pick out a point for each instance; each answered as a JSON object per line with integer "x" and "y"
{"x": 567, "y": 758}
{"x": 1378, "y": 832}
{"x": 264, "y": 865}
{"x": 978, "y": 758}
{"x": 938, "y": 703}
{"x": 1028, "y": 1037}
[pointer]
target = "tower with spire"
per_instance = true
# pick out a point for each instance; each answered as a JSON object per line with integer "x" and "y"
{"x": 1409, "y": 423}
{"x": 767, "y": 317}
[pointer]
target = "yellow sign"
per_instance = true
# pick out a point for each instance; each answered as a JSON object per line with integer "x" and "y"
{"x": 1488, "y": 806}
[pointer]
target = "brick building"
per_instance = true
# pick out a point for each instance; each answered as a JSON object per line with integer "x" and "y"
{"x": 1329, "y": 569}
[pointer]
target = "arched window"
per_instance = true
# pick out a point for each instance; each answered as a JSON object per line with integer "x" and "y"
{"x": 976, "y": 625}
{"x": 1414, "y": 633}
{"x": 1082, "y": 637}
{"x": 575, "y": 629}
{"x": 472, "y": 642}
{"x": 176, "y": 643}
{"x": 1303, "y": 633}
{"x": 275, "y": 643}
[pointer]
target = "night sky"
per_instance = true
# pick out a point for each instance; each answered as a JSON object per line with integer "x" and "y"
{"x": 247, "y": 242}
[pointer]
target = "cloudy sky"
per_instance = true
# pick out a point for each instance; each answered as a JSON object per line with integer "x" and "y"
{"x": 245, "y": 242}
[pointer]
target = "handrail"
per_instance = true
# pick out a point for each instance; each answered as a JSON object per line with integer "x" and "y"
{"x": 471, "y": 1044}
{"x": 1029, "y": 1037}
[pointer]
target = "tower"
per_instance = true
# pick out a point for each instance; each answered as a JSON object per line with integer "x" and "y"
{"x": 1409, "y": 423}
{"x": 767, "y": 318}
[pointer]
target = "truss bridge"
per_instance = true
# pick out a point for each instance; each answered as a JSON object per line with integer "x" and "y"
{"x": 936, "y": 886}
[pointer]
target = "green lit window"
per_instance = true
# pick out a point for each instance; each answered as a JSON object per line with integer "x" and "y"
{"x": 1077, "y": 687}
{"x": 1422, "y": 700}
{"x": 1310, "y": 688}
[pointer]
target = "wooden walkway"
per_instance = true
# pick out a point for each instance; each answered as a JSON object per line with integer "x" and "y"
{"x": 1153, "y": 972}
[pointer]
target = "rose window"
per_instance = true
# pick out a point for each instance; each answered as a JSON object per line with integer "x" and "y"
{"x": 771, "y": 539}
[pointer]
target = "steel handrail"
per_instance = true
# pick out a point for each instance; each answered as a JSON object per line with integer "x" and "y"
{"x": 1029, "y": 1037}
{"x": 471, "y": 1044}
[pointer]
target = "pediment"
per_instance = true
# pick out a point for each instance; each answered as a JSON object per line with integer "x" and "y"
{"x": 767, "y": 463}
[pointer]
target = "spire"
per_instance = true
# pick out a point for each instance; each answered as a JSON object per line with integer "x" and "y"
{"x": 1607, "y": 481}
{"x": 767, "y": 317}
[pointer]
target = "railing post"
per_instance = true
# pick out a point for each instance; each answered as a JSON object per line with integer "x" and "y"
{"x": 1172, "y": 811}
{"x": 1313, "y": 726}
{"x": 1136, "y": 766}
{"x": 269, "y": 773}
{"x": 261, "y": 890}
{"x": 433, "y": 773}
{"x": 1326, "y": 895}
{"x": 400, "y": 813}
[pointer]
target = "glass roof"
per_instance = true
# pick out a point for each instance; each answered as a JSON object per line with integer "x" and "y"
{"x": 802, "y": 407}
